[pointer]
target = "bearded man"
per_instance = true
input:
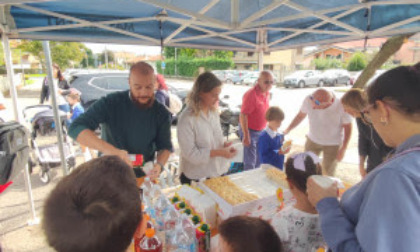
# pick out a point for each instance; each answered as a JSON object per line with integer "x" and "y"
{"x": 132, "y": 122}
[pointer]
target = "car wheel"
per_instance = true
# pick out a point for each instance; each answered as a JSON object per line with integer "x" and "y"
{"x": 335, "y": 83}
{"x": 321, "y": 83}
{"x": 301, "y": 84}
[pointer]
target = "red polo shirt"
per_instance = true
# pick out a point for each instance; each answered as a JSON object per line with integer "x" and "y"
{"x": 255, "y": 105}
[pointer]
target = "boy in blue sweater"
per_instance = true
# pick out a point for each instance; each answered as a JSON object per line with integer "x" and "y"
{"x": 77, "y": 110}
{"x": 270, "y": 141}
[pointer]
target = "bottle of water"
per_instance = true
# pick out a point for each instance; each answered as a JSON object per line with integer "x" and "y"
{"x": 147, "y": 187}
{"x": 179, "y": 240}
{"x": 189, "y": 229}
{"x": 170, "y": 219}
{"x": 162, "y": 205}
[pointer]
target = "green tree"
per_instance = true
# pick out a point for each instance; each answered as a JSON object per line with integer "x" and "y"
{"x": 64, "y": 54}
{"x": 35, "y": 48}
{"x": 223, "y": 54}
{"x": 102, "y": 58}
{"x": 88, "y": 59}
{"x": 67, "y": 54}
{"x": 328, "y": 63}
{"x": 357, "y": 62}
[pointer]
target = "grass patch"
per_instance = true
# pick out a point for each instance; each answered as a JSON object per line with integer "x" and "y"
{"x": 341, "y": 90}
{"x": 34, "y": 75}
{"x": 29, "y": 82}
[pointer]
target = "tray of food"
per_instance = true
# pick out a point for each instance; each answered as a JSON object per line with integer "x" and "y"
{"x": 253, "y": 193}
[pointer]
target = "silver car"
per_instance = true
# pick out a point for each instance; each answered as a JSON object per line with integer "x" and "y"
{"x": 303, "y": 78}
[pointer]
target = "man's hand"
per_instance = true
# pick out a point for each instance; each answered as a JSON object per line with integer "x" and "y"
{"x": 246, "y": 141}
{"x": 316, "y": 192}
{"x": 341, "y": 153}
{"x": 121, "y": 154}
{"x": 154, "y": 174}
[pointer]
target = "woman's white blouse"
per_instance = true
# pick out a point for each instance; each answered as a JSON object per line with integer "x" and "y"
{"x": 197, "y": 136}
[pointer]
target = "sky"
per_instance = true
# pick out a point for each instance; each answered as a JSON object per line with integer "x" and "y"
{"x": 138, "y": 50}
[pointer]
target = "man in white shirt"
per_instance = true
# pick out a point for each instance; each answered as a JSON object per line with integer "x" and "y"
{"x": 327, "y": 119}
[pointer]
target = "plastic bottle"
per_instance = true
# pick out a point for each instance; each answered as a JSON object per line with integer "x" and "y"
{"x": 161, "y": 207}
{"x": 170, "y": 219}
{"x": 147, "y": 188}
{"x": 189, "y": 229}
{"x": 179, "y": 240}
{"x": 150, "y": 243}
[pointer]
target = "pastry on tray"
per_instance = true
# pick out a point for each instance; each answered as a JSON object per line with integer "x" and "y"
{"x": 229, "y": 191}
{"x": 277, "y": 176}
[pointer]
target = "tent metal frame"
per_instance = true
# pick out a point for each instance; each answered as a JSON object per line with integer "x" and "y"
{"x": 199, "y": 22}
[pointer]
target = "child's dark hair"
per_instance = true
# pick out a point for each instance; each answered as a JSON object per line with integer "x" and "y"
{"x": 95, "y": 208}
{"x": 249, "y": 234}
{"x": 274, "y": 114}
{"x": 299, "y": 177}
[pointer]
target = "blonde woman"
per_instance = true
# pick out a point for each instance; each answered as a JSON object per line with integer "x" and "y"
{"x": 371, "y": 146}
{"x": 204, "y": 153}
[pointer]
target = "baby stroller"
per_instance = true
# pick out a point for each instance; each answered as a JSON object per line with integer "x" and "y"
{"x": 47, "y": 155}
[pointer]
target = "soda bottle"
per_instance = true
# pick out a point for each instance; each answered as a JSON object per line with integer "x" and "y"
{"x": 150, "y": 243}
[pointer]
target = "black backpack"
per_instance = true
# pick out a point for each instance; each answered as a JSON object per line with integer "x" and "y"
{"x": 14, "y": 150}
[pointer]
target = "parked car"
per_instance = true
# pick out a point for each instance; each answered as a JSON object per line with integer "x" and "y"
{"x": 250, "y": 78}
{"x": 333, "y": 77}
{"x": 237, "y": 76}
{"x": 223, "y": 75}
{"x": 303, "y": 78}
{"x": 94, "y": 86}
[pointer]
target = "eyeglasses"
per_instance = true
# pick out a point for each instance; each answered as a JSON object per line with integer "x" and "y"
{"x": 321, "y": 105}
{"x": 268, "y": 82}
{"x": 366, "y": 115}
{"x": 315, "y": 100}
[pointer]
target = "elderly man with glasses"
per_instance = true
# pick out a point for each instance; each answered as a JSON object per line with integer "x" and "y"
{"x": 252, "y": 118}
{"x": 327, "y": 119}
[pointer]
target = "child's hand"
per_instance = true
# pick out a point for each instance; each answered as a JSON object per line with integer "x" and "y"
{"x": 316, "y": 192}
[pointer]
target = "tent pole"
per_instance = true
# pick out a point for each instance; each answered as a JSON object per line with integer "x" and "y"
{"x": 10, "y": 76}
{"x": 54, "y": 95}
{"x": 18, "y": 118}
{"x": 260, "y": 60}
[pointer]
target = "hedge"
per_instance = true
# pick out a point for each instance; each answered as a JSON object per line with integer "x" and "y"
{"x": 189, "y": 66}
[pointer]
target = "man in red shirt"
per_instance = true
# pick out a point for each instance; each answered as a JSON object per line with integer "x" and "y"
{"x": 252, "y": 118}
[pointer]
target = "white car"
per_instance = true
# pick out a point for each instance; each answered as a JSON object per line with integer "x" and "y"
{"x": 250, "y": 78}
{"x": 303, "y": 78}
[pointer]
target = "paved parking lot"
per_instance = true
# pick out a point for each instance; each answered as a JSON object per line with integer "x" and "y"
{"x": 16, "y": 235}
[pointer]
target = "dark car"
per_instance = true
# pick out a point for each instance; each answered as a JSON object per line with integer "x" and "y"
{"x": 333, "y": 77}
{"x": 94, "y": 86}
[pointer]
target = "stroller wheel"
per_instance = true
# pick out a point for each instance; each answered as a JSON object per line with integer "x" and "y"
{"x": 44, "y": 176}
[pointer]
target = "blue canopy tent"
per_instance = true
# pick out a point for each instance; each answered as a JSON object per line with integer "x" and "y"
{"x": 238, "y": 25}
